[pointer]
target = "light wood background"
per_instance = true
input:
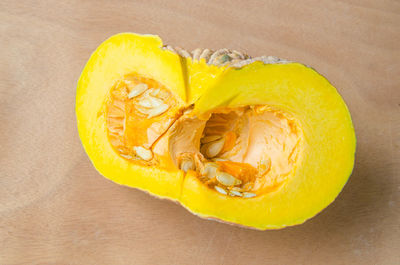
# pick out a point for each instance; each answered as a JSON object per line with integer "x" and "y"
{"x": 56, "y": 209}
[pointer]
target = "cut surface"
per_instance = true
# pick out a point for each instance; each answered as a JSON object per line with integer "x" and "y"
{"x": 116, "y": 58}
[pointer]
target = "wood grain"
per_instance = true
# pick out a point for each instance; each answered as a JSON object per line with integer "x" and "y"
{"x": 56, "y": 209}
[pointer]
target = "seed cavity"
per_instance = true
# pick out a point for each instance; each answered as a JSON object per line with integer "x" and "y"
{"x": 143, "y": 153}
{"x": 220, "y": 164}
{"x": 227, "y": 179}
{"x": 137, "y": 90}
{"x": 220, "y": 190}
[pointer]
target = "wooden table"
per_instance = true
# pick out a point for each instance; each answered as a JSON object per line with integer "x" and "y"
{"x": 56, "y": 209}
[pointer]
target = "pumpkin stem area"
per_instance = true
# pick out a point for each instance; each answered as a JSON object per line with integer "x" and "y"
{"x": 242, "y": 152}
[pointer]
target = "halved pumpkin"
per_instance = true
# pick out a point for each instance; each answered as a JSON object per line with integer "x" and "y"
{"x": 260, "y": 142}
{"x": 117, "y": 59}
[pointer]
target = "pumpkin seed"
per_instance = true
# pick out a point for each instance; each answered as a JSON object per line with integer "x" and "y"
{"x": 196, "y": 54}
{"x": 162, "y": 94}
{"x": 126, "y": 156}
{"x": 143, "y": 153}
{"x": 227, "y": 179}
{"x": 210, "y": 138}
{"x": 154, "y": 92}
{"x": 182, "y": 52}
{"x": 214, "y": 148}
{"x": 205, "y": 54}
{"x": 170, "y": 48}
{"x": 187, "y": 164}
{"x": 157, "y": 111}
{"x": 249, "y": 194}
{"x": 220, "y": 190}
{"x": 237, "y": 55}
{"x": 248, "y": 186}
{"x": 223, "y": 59}
{"x": 217, "y": 54}
{"x": 150, "y": 102}
{"x": 116, "y": 129}
{"x": 137, "y": 90}
{"x": 144, "y": 111}
{"x": 235, "y": 193}
{"x": 210, "y": 170}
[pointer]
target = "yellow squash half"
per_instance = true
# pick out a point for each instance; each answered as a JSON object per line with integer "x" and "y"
{"x": 259, "y": 142}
